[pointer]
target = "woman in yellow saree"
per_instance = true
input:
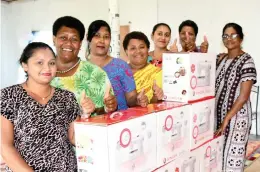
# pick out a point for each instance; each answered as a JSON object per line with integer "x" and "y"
{"x": 148, "y": 78}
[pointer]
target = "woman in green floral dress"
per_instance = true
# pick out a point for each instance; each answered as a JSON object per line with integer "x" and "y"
{"x": 84, "y": 79}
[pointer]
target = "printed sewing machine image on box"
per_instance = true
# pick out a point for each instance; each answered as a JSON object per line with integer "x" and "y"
{"x": 202, "y": 122}
{"x": 188, "y": 76}
{"x": 121, "y": 141}
{"x": 172, "y": 133}
{"x": 212, "y": 154}
{"x": 187, "y": 162}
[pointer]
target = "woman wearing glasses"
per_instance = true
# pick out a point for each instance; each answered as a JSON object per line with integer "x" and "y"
{"x": 235, "y": 75}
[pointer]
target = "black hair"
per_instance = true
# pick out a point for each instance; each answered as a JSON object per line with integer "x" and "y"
{"x": 135, "y": 35}
{"x": 235, "y": 26}
{"x": 30, "y": 49}
{"x": 94, "y": 28}
{"x": 70, "y": 22}
{"x": 160, "y": 24}
{"x": 189, "y": 23}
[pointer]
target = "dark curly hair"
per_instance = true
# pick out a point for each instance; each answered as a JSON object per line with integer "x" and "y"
{"x": 70, "y": 22}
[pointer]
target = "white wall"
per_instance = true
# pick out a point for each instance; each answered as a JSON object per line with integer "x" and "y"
{"x": 20, "y": 18}
{"x": 140, "y": 15}
{"x": 9, "y": 63}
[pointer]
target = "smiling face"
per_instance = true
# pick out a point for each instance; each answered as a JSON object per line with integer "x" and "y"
{"x": 231, "y": 39}
{"x": 187, "y": 34}
{"x": 100, "y": 43}
{"x": 41, "y": 66}
{"x": 161, "y": 36}
{"x": 67, "y": 43}
{"x": 137, "y": 51}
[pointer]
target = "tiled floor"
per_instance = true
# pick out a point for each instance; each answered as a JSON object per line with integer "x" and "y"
{"x": 253, "y": 162}
{"x": 253, "y": 165}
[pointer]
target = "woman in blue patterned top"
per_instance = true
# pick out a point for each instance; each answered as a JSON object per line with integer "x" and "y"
{"x": 118, "y": 71}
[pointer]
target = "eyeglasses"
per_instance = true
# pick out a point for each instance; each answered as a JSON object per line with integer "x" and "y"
{"x": 232, "y": 36}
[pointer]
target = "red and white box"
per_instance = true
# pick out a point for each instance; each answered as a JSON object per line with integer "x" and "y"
{"x": 187, "y": 162}
{"x": 202, "y": 122}
{"x": 212, "y": 155}
{"x": 121, "y": 141}
{"x": 157, "y": 107}
{"x": 173, "y": 128}
{"x": 188, "y": 76}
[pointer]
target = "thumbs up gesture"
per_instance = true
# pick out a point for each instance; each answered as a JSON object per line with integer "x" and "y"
{"x": 109, "y": 99}
{"x": 87, "y": 105}
{"x": 174, "y": 47}
{"x": 157, "y": 91}
{"x": 204, "y": 45}
{"x": 142, "y": 99}
{"x": 190, "y": 45}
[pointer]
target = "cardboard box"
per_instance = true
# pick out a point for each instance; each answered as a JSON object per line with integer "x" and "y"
{"x": 202, "y": 122}
{"x": 157, "y": 107}
{"x": 212, "y": 155}
{"x": 188, "y": 76}
{"x": 122, "y": 141}
{"x": 187, "y": 162}
{"x": 173, "y": 128}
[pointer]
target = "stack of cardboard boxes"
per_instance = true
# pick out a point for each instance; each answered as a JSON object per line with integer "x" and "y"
{"x": 175, "y": 135}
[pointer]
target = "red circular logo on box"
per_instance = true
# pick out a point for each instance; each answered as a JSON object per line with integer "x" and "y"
{"x": 193, "y": 82}
{"x": 208, "y": 151}
{"x": 168, "y": 123}
{"x": 125, "y": 137}
{"x": 195, "y": 132}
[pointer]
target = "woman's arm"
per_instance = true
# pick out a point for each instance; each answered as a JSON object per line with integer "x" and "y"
{"x": 157, "y": 89}
{"x": 241, "y": 100}
{"x": 9, "y": 153}
{"x": 131, "y": 98}
{"x": 155, "y": 99}
{"x": 71, "y": 132}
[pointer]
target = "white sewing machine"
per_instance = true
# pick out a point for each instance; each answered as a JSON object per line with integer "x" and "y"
{"x": 189, "y": 165}
{"x": 204, "y": 122}
{"x": 203, "y": 75}
{"x": 133, "y": 149}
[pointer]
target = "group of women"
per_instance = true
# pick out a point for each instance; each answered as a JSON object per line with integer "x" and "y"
{"x": 37, "y": 116}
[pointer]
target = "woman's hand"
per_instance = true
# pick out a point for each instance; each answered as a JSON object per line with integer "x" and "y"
{"x": 204, "y": 45}
{"x": 87, "y": 105}
{"x": 110, "y": 103}
{"x": 222, "y": 128}
{"x": 174, "y": 47}
{"x": 189, "y": 45}
{"x": 157, "y": 91}
{"x": 142, "y": 99}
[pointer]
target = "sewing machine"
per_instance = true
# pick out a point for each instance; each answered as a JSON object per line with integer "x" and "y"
{"x": 203, "y": 74}
{"x": 204, "y": 120}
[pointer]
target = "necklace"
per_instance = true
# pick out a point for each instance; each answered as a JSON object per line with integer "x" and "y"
{"x": 43, "y": 98}
{"x": 157, "y": 58}
{"x": 65, "y": 71}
